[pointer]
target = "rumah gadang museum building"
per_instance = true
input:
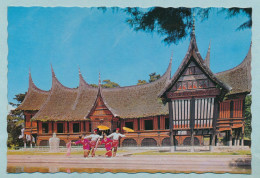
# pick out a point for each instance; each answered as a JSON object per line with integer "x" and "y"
{"x": 193, "y": 107}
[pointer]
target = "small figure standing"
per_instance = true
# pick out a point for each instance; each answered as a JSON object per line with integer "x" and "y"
{"x": 108, "y": 145}
{"x": 68, "y": 145}
{"x": 86, "y": 145}
{"x": 94, "y": 141}
{"x": 115, "y": 136}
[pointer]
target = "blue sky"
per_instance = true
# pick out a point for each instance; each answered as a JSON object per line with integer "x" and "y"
{"x": 69, "y": 38}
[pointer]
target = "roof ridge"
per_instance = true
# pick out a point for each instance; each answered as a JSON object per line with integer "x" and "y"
{"x": 193, "y": 51}
{"x": 56, "y": 83}
{"x": 166, "y": 75}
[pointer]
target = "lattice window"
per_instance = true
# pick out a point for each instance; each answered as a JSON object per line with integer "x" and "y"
{"x": 181, "y": 113}
{"x": 238, "y": 109}
{"x": 224, "y": 110}
{"x": 204, "y": 109}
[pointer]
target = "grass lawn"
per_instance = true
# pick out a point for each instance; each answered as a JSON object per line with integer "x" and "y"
{"x": 241, "y": 152}
{"x": 12, "y": 152}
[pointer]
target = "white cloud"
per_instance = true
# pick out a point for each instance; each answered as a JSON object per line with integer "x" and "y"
{"x": 9, "y": 108}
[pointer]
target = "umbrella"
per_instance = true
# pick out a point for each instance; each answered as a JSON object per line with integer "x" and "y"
{"x": 128, "y": 129}
{"x": 102, "y": 127}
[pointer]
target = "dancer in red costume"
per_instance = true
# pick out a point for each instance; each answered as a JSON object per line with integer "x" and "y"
{"x": 108, "y": 145}
{"x": 94, "y": 141}
{"x": 115, "y": 136}
{"x": 86, "y": 145}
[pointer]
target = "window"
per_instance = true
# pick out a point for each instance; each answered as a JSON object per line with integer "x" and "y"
{"x": 148, "y": 124}
{"x": 167, "y": 123}
{"x": 75, "y": 127}
{"x": 45, "y": 127}
{"x": 129, "y": 125}
{"x": 59, "y": 127}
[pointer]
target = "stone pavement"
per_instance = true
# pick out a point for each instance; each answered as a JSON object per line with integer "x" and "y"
{"x": 138, "y": 163}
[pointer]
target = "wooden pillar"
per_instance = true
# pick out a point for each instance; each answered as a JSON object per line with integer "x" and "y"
{"x": 192, "y": 122}
{"x": 87, "y": 126}
{"x": 70, "y": 127}
{"x": 66, "y": 127}
{"x": 40, "y": 127}
{"x": 55, "y": 127}
{"x": 192, "y": 140}
{"x": 135, "y": 124}
{"x": 235, "y": 140}
{"x": 217, "y": 139}
{"x": 138, "y": 121}
{"x": 155, "y": 124}
{"x": 230, "y": 138}
{"x": 81, "y": 127}
{"x": 50, "y": 127}
{"x": 141, "y": 124}
{"x": 238, "y": 137}
{"x": 242, "y": 136}
{"x": 171, "y": 124}
{"x": 112, "y": 125}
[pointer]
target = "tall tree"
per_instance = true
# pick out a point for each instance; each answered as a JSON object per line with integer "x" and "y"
{"x": 174, "y": 24}
{"x": 15, "y": 123}
{"x": 248, "y": 116}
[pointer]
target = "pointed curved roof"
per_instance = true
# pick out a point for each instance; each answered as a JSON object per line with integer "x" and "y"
{"x": 138, "y": 100}
{"x": 239, "y": 77}
{"x": 34, "y": 98}
{"x": 193, "y": 54}
{"x": 59, "y": 102}
{"x": 126, "y": 102}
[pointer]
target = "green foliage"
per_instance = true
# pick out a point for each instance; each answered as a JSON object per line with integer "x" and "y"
{"x": 174, "y": 24}
{"x": 154, "y": 77}
{"x": 19, "y": 98}
{"x": 248, "y": 116}
{"x": 14, "y": 123}
{"x": 14, "y": 126}
{"x": 106, "y": 84}
{"x": 230, "y": 13}
{"x": 140, "y": 82}
{"x": 109, "y": 84}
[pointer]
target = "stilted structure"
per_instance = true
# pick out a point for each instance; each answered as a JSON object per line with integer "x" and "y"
{"x": 194, "y": 107}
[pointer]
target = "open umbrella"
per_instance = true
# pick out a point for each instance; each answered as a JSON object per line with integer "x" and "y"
{"x": 102, "y": 127}
{"x": 128, "y": 129}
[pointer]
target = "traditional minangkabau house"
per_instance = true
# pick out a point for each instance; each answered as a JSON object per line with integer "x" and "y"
{"x": 184, "y": 109}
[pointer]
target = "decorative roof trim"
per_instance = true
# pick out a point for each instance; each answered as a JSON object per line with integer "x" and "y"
{"x": 193, "y": 52}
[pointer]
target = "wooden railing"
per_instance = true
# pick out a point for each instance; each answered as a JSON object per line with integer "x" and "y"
{"x": 229, "y": 123}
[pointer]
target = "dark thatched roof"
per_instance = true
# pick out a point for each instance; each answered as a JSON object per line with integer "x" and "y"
{"x": 239, "y": 78}
{"x": 34, "y": 98}
{"x": 66, "y": 104}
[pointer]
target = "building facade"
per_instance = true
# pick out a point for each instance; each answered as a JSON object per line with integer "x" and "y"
{"x": 193, "y": 107}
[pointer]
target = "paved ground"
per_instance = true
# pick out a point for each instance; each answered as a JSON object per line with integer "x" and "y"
{"x": 130, "y": 163}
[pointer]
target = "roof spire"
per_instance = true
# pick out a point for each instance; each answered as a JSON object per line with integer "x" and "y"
{"x": 30, "y": 78}
{"x": 99, "y": 80}
{"x": 193, "y": 24}
{"x": 52, "y": 71}
{"x": 207, "y": 59}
